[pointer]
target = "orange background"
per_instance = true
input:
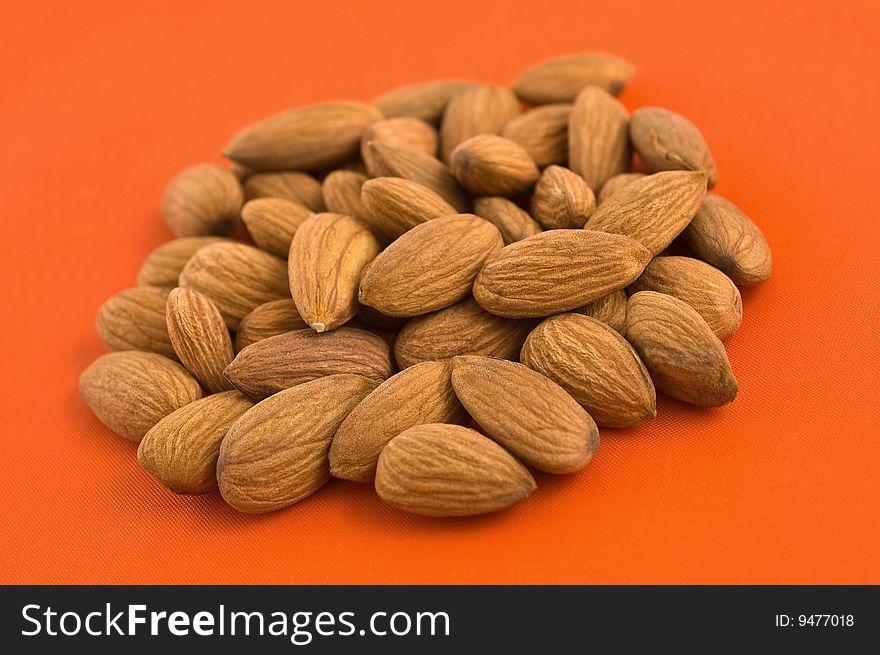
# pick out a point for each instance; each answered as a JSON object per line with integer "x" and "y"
{"x": 102, "y": 102}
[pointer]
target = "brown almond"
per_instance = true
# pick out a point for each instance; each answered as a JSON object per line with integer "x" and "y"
{"x": 667, "y": 141}
{"x": 275, "y": 363}
{"x": 162, "y": 267}
{"x": 295, "y": 186}
{"x": 240, "y": 171}
{"x": 134, "y": 319}
{"x": 421, "y": 394}
{"x": 598, "y": 138}
{"x": 530, "y": 415}
{"x": 430, "y": 267}
{"x": 556, "y": 271}
{"x": 512, "y": 221}
{"x": 543, "y": 132}
{"x": 131, "y": 391}
{"x": 424, "y": 100}
{"x": 267, "y": 320}
{"x": 610, "y": 310}
{"x": 615, "y": 184}
{"x": 562, "y": 199}
{"x": 276, "y": 453}
{"x": 685, "y": 358}
{"x": 327, "y": 259}
{"x": 480, "y": 109}
{"x": 181, "y": 450}
{"x": 310, "y": 138}
{"x": 202, "y": 200}
{"x": 449, "y": 470}
{"x": 400, "y": 132}
{"x": 491, "y": 165}
{"x": 396, "y": 205}
{"x": 342, "y": 194}
{"x": 595, "y": 365}
{"x": 560, "y": 79}
{"x": 272, "y": 222}
{"x": 652, "y": 210}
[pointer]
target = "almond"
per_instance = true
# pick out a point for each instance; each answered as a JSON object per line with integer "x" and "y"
{"x": 562, "y": 199}
{"x": 686, "y": 360}
{"x": 131, "y": 391}
{"x": 430, "y": 267}
{"x": 667, "y": 141}
{"x": 327, "y": 259}
{"x": 512, "y": 221}
{"x": 557, "y": 271}
{"x": 275, "y": 363}
{"x": 598, "y": 139}
{"x": 240, "y": 171}
{"x": 310, "y": 138}
{"x": 425, "y": 100}
{"x": 200, "y": 337}
{"x": 134, "y": 319}
{"x": 421, "y": 394}
{"x": 236, "y": 277}
{"x": 652, "y": 210}
{"x": 267, "y": 320}
{"x": 491, "y": 165}
{"x": 162, "y": 267}
{"x": 396, "y": 205}
{"x": 596, "y": 366}
{"x": 449, "y": 470}
{"x": 562, "y": 78}
{"x": 181, "y": 450}
{"x": 530, "y": 415}
{"x": 543, "y": 132}
{"x": 202, "y": 200}
{"x": 400, "y": 132}
{"x": 465, "y": 328}
{"x": 722, "y": 235}
{"x": 480, "y": 109}
{"x": 272, "y": 222}
{"x": 610, "y": 310}
{"x": 615, "y": 184}
{"x": 295, "y": 186}
{"x": 276, "y": 453}
{"x": 342, "y": 194}
{"x": 709, "y": 291}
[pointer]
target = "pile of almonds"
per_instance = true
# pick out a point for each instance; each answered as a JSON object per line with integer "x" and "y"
{"x": 377, "y": 331}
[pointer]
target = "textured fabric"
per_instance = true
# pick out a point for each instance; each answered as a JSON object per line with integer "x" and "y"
{"x": 103, "y": 102}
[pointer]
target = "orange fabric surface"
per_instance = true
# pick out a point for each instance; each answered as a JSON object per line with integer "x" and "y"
{"x": 102, "y": 102}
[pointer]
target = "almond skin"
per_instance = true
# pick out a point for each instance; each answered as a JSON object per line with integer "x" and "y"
{"x": 480, "y": 109}
{"x": 295, "y": 186}
{"x": 560, "y": 79}
{"x": 342, "y": 194}
{"x": 491, "y": 165}
{"x": 667, "y": 141}
{"x": 202, "y": 200}
{"x": 200, "y": 337}
{"x": 396, "y": 205}
{"x": 543, "y": 132}
{"x": 465, "y": 328}
{"x": 400, "y": 132}
{"x": 162, "y": 267}
{"x": 615, "y": 184}
{"x": 421, "y": 394}
{"x": 709, "y": 291}
{"x": 556, "y": 271}
{"x": 286, "y": 360}
{"x": 430, "y": 267}
{"x": 610, "y": 310}
{"x": 686, "y": 360}
{"x": 449, "y": 470}
{"x": 425, "y": 100}
{"x": 530, "y": 415}
{"x": 276, "y": 453}
{"x": 513, "y": 222}
{"x": 327, "y": 259}
{"x": 181, "y": 450}
{"x": 134, "y": 319}
{"x": 598, "y": 138}
{"x": 268, "y": 320}
{"x": 722, "y": 235}
{"x": 652, "y": 210}
{"x": 596, "y": 366}
{"x": 236, "y": 277}
{"x": 131, "y": 391}
{"x": 562, "y": 199}
{"x": 310, "y": 138}
{"x": 272, "y": 222}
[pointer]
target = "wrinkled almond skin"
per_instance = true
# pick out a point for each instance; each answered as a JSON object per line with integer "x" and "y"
{"x": 722, "y": 235}
{"x": 272, "y": 222}
{"x": 490, "y": 165}
{"x": 400, "y": 132}
{"x": 424, "y": 100}
{"x": 200, "y": 337}
{"x": 134, "y": 319}
{"x": 286, "y": 360}
{"x": 162, "y": 267}
{"x": 480, "y": 109}
{"x": 652, "y": 210}
{"x": 396, "y": 205}
{"x": 615, "y": 184}
{"x": 512, "y": 221}
{"x": 236, "y": 277}
{"x": 596, "y": 366}
{"x": 421, "y": 394}
{"x": 667, "y": 141}
{"x": 295, "y": 186}
{"x": 430, "y": 267}
{"x": 709, "y": 291}
{"x": 685, "y": 359}
{"x": 560, "y": 79}
{"x": 562, "y": 199}
{"x": 131, "y": 391}
{"x": 342, "y": 194}
{"x": 610, "y": 310}
{"x": 276, "y": 453}
{"x": 309, "y": 138}
{"x": 542, "y": 132}
{"x": 181, "y": 450}
{"x": 465, "y": 328}
{"x": 598, "y": 138}
{"x": 202, "y": 200}
{"x": 449, "y": 470}
{"x": 556, "y": 271}
{"x": 268, "y": 320}
{"x": 530, "y": 415}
